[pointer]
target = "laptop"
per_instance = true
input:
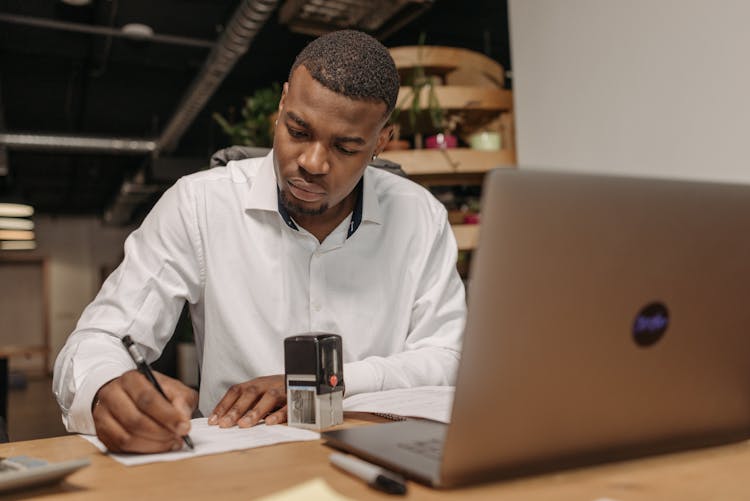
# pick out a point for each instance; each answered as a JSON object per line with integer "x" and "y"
{"x": 608, "y": 318}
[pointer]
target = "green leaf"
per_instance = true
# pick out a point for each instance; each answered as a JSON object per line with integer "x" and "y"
{"x": 254, "y": 128}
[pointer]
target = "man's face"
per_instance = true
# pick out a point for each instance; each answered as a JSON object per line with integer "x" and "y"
{"x": 322, "y": 144}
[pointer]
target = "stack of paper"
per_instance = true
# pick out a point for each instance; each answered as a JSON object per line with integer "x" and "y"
{"x": 427, "y": 402}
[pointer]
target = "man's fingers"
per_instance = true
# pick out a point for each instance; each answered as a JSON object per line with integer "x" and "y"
{"x": 116, "y": 439}
{"x": 183, "y": 407}
{"x": 122, "y": 428}
{"x": 249, "y": 401}
{"x": 270, "y": 401}
{"x": 109, "y": 431}
{"x": 124, "y": 410}
{"x": 280, "y": 416}
{"x": 153, "y": 404}
{"x": 233, "y": 405}
{"x": 131, "y": 415}
{"x": 248, "y": 395}
{"x": 184, "y": 398}
{"x": 227, "y": 401}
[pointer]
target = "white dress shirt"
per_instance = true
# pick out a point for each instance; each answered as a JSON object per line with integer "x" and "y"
{"x": 217, "y": 239}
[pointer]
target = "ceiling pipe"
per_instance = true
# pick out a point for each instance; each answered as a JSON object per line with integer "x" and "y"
{"x": 246, "y": 22}
{"x": 103, "y": 30}
{"x": 234, "y": 41}
{"x": 76, "y": 143}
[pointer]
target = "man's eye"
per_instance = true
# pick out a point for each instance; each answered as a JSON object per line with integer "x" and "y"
{"x": 346, "y": 151}
{"x": 297, "y": 134}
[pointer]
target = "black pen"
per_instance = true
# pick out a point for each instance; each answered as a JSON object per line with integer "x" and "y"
{"x": 144, "y": 369}
{"x": 375, "y": 476}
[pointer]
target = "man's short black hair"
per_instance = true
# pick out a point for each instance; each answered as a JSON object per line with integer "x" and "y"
{"x": 353, "y": 64}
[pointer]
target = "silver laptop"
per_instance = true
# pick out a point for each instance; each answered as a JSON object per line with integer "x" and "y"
{"x": 609, "y": 317}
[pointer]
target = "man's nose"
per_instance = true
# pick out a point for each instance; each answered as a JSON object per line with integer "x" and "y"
{"x": 314, "y": 159}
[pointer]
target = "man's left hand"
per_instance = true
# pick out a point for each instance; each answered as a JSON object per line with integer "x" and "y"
{"x": 245, "y": 404}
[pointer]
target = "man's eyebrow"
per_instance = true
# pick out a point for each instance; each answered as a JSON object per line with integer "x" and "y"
{"x": 339, "y": 139}
{"x": 297, "y": 119}
{"x": 350, "y": 139}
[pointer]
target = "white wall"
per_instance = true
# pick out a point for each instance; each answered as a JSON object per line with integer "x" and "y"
{"x": 652, "y": 87}
{"x": 76, "y": 249}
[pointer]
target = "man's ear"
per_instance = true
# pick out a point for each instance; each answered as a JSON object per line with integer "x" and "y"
{"x": 284, "y": 92}
{"x": 386, "y": 133}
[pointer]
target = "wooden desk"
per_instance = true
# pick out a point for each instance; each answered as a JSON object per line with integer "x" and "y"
{"x": 715, "y": 473}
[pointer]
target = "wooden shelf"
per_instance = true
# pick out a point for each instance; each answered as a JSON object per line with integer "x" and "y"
{"x": 462, "y": 98}
{"x": 473, "y": 98}
{"x": 450, "y": 161}
{"x": 440, "y": 60}
{"x": 467, "y": 236}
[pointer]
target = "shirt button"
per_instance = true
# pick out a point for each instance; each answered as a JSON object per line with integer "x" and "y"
{"x": 316, "y": 306}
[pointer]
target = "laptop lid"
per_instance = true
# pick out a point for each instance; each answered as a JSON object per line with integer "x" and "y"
{"x": 608, "y": 318}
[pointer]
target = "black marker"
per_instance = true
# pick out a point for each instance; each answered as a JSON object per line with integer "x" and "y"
{"x": 144, "y": 369}
{"x": 375, "y": 476}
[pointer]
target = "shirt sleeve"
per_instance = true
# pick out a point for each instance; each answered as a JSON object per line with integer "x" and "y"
{"x": 143, "y": 297}
{"x": 432, "y": 348}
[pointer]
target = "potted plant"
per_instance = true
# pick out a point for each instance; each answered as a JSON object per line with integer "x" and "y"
{"x": 419, "y": 83}
{"x": 258, "y": 114}
{"x": 445, "y": 138}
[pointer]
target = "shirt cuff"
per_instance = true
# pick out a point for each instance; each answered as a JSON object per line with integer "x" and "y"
{"x": 79, "y": 419}
{"x": 360, "y": 377}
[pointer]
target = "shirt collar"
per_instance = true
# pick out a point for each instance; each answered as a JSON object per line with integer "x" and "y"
{"x": 263, "y": 187}
{"x": 282, "y": 210}
{"x": 356, "y": 219}
{"x": 354, "y": 223}
{"x": 371, "y": 210}
{"x": 264, "y": 195}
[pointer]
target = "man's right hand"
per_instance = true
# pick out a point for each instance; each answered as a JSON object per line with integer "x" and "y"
{"x": 130, "y": 415}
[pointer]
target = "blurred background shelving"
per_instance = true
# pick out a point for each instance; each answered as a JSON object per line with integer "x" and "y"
{"x": 469, "y": 90}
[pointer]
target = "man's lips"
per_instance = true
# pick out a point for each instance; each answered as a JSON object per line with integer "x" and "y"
{"x": 307, "y": 192}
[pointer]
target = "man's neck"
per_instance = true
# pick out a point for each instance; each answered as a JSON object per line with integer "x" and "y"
{"x": 322, "y": 225}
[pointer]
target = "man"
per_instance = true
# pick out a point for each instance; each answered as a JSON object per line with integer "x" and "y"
{"x": 307, "y": 239}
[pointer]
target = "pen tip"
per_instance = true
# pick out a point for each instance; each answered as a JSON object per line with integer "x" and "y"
{"x": 188, "y": 441}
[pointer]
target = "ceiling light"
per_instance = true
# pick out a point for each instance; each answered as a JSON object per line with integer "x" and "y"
{"x": 138, "y": 30}
{"x": 18, "y": 245}
{"x": 16, "y": 235}
{"x": 12, "y": 223}
{"x": 15, "y": 210}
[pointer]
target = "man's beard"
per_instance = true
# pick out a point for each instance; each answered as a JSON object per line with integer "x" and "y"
{"x": 292, "y": 208}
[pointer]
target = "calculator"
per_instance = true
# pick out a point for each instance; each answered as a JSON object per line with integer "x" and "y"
{"x": 23, "y": 471}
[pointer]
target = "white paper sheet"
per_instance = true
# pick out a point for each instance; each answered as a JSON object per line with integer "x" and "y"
{"x": 428, "y": 402}
{"x": 213, "y": 440}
